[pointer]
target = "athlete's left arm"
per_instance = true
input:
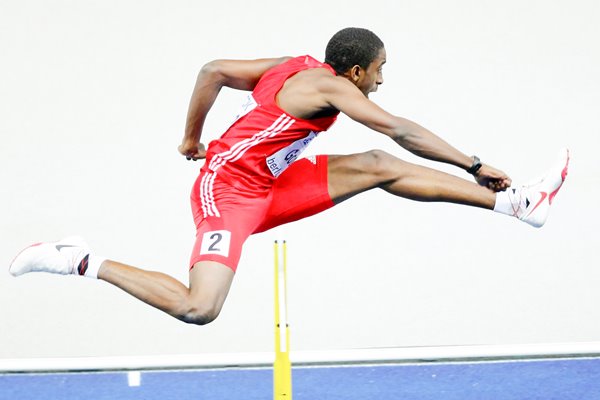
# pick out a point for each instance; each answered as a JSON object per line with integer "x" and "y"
{"x": 236, "y": 74}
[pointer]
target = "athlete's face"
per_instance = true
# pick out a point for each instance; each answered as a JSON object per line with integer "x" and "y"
{"x": 369, "y": 79}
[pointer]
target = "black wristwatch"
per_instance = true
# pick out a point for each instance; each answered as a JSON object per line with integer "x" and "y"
{"x": 474, "y": 168}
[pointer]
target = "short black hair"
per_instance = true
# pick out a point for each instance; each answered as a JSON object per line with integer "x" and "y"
{"x": 350, "y": 47}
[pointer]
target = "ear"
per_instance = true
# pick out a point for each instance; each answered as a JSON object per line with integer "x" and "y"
{"x": 355, "y": 73}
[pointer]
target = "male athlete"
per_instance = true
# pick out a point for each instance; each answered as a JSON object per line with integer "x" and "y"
{"x": 252, "y": 179}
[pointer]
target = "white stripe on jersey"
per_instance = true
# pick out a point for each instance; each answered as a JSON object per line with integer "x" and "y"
{"x": 243, "y": 143}
{"x": 287, "y": 121}
{"x": 237, "y": 150}
{"x": 209, "y": 208}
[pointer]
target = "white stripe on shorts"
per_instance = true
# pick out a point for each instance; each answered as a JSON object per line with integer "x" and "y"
{"x": 207, "y": 200}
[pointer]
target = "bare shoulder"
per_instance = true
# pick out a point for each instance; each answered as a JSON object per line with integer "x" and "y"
{"x": 330, "y": 86}
{"x": 304, "y": 94}
{"x": 322, "y": 83}
{"x": 311, "y": 76}
{"x": 323, "y": 79}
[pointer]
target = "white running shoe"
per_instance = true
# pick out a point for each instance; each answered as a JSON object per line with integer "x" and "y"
{"x": 67, "y": 256}
{"x": 539, "y": 195}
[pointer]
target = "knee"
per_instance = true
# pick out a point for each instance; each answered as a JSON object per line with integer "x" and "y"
{"x": 379, "y": 164}
{"x": 200, "y": 315}
{"x": 375, "y": 158}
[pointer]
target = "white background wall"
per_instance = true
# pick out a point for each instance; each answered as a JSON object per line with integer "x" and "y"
{"x": 93, "y": 98}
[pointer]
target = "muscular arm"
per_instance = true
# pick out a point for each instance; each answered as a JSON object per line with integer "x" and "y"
{"x": 236, "y": 74}
{"x": 344, "y": 96}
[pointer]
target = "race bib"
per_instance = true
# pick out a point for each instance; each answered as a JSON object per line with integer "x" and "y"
{"x": 216, "y": 242}
{"x": 279, "y": 161}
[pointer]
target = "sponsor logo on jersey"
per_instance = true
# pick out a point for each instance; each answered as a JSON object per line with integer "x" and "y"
{"x": 282, "y": 159}
{"x": 249, "y": 105}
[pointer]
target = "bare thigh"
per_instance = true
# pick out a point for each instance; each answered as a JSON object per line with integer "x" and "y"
{"x": 349, "y": 175}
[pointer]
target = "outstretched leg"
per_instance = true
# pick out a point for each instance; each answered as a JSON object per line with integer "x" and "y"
{"x": 312, "y": 185}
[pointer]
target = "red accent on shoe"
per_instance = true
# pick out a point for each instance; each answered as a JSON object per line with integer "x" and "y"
{"x": 544, "y": 195}
{"x": 83, "y": 265}
{"x": 563, "y": 175}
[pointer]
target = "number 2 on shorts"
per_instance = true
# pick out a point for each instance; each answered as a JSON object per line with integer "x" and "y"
{"x": 216, "y": 242}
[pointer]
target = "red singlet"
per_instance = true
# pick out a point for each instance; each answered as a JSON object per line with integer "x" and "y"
{"x": 245, "y": 185}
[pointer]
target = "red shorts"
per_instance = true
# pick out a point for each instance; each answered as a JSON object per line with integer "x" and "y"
{"x": 225, "y": 216}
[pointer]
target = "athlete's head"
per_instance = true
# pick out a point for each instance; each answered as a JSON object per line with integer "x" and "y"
{"x": 358, "y": 54}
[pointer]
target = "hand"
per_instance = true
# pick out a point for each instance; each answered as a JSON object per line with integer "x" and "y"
{"x": 192, "y": 150}
{"x": 492, "y": 178}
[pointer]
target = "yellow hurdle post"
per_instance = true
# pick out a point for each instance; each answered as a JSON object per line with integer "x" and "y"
{"x": 282, "y": 367}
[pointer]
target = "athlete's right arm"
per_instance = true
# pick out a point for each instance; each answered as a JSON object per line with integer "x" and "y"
{"x": 236, "y": 74}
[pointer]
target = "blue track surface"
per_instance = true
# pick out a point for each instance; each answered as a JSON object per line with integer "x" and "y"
{"x": 541, "y": 379}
